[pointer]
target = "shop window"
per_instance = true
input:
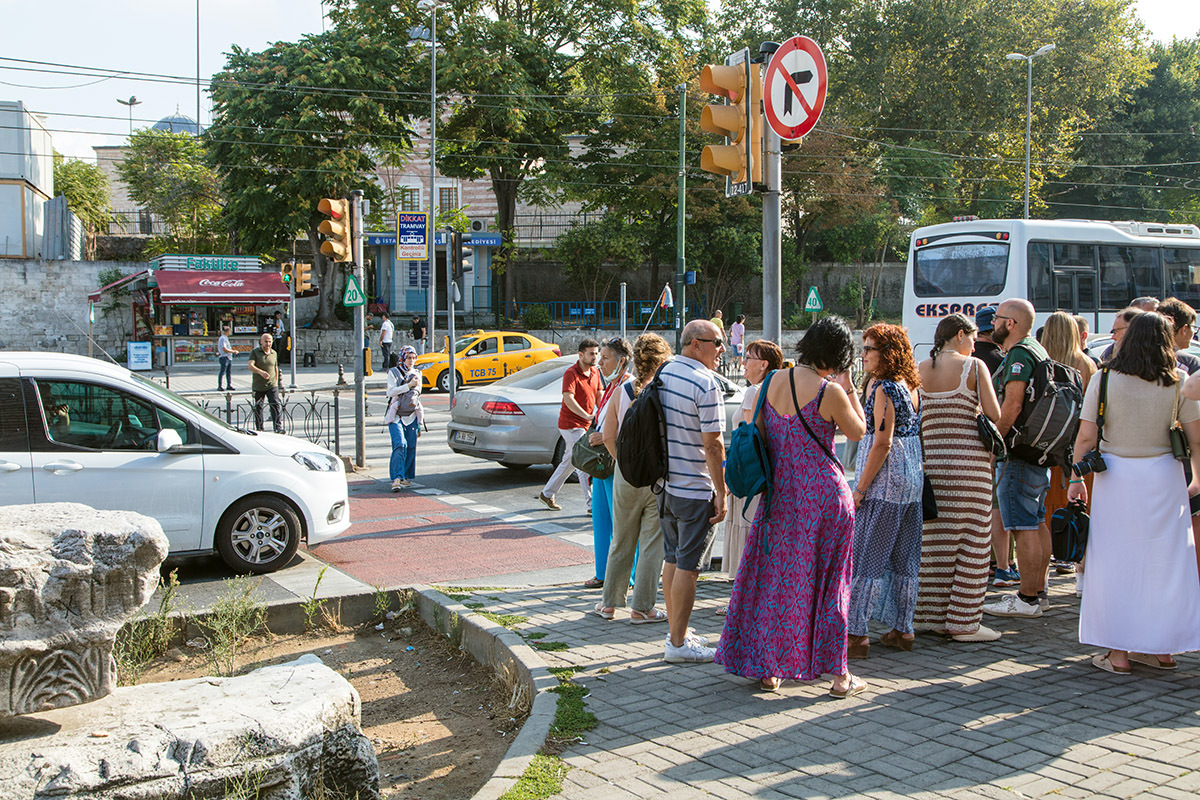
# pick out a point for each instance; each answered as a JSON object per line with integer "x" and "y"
{"x": 96, "y": 417}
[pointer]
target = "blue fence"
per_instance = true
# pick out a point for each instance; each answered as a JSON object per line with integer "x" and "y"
{"x": 605, "y": 313}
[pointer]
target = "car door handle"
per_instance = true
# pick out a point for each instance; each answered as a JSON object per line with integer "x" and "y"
{"x": 62, "y": 466}
{"x": 8, "y": 466}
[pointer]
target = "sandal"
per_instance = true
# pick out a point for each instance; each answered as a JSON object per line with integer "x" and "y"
{"x": 857, "y": 686}
{"x": 860, "y": 649}
{"x": 604, "y": 613}
{"x": 1105, "y": 663}
{"x": 894, "y": 639}
{"x": 646, "y": 617}
{"x": 1152, "y": 661}
{"x": 593, "y": 583}
{"x": 770, "y": 684}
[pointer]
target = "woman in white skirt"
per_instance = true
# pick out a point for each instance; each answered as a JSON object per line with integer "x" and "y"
{"x": 1141, "y": 592}
{"x": 762, "y": 356}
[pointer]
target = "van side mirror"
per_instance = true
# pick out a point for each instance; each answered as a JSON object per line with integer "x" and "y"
{"x": 168, "y": 438}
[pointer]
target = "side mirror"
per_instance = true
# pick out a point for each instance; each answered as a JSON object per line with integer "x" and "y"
{"x": 167, "y": 439}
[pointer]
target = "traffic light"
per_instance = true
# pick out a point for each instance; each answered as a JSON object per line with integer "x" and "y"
{"x": 304, "y": 277}
{"x": 338, "y": 246}
{"x": 285, "y": 272}
{"x": 461, "y": 252}
{"x": 738, "y": 119}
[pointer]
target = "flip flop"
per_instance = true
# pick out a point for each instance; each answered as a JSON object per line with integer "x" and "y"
{"x": 604, "y": 613}
{"x": 1104, "y": 663}
{"x": 593, "y": 583}
{"x": 653, "y": 615}
{"x": 770, "y": 684}
{"x": 857, "y": 686}
{"x": 1152, "y": 661}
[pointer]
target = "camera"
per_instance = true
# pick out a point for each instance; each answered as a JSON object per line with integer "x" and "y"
{"x": 1092, "y": 461}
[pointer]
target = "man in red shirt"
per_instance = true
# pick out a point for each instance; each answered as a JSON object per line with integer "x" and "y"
{"x": 580, "y": 388}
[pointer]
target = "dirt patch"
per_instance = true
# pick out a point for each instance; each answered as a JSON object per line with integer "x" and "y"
{"x": 439, "y": 721}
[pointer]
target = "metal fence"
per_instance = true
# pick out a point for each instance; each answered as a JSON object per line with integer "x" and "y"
{"x": 544, "y": 229}
{"x": 312, "y": 414}
{"x": 605, "y": 313}
{"x": 137, "y": 222}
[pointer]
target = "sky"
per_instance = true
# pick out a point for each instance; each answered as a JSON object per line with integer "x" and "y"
{"x": 159, "y": 36}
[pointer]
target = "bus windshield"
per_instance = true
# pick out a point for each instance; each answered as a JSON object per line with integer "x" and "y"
{"x": 960, "y": 270}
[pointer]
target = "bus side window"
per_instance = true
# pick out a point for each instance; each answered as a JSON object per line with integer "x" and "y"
{"x": 1183, "y": 273}
{"x": 1126, "y": 273}
{"x": 1039, "y": 276}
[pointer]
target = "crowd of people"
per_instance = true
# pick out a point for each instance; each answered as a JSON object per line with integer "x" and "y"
{"x": 933, "y": 511}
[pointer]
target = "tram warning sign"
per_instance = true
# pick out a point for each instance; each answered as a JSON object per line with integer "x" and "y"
{"x": 794, "y": 88}
{"x": 353, "y": 296}
{"x": 813, "y": 303}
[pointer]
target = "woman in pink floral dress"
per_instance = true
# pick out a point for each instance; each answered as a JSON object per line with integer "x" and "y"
{"x": 787, "y": 614}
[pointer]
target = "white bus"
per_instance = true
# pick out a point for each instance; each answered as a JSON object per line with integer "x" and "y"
{"x": 1093, "y": 268}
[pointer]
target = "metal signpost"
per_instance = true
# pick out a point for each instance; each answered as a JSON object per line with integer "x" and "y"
{"x": 360, "y": 325}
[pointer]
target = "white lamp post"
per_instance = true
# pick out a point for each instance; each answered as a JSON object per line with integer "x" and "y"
{"x": 1041, "y": 51}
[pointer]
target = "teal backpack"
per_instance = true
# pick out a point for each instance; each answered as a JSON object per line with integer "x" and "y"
{"x": 748, "y": 463}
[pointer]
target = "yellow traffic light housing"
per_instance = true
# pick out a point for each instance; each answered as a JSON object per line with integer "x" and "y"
{"x": 304, "y": 277}
{"x": 739, "y": 120}
{"x": 338, "y": 246}
{"x": 285, "y": 272}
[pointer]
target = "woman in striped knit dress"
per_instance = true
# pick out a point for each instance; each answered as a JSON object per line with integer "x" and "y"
{"x": 955, "y": 547}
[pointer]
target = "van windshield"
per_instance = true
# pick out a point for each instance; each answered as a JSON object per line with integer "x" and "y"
{"x": 161, "y": 391}
{"x": 960, "y": 270}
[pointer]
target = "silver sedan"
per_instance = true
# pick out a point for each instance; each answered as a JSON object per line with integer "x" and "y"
{"x": 515, "y": 420}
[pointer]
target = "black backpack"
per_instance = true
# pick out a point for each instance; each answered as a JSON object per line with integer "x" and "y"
{"x": 1044, "y": 433}
{"x": 642, "y": 441}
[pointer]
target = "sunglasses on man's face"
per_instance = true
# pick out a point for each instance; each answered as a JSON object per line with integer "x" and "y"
{"x": 719, "y": 343}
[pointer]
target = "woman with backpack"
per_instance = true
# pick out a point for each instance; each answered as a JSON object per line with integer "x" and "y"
{"x": 762, "y": 356}
{"x": 887, "y": 494}
{"x": 636, "y": 533}
{"x": 1141, "y": 597}
{"x": 787, "y": 614}
{"x": 403, "y": 417}
{"x": 955, "y": 389}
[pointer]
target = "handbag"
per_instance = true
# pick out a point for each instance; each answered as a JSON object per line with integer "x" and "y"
{"x": 989, "y": 434}
{"x": 595, "y": 460}
{"x": 1069, "y": 532}
{"x": 1179, "y": 443}
{"x": 929, "y": 510}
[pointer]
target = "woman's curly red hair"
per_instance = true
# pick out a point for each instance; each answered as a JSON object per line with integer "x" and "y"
{"x": 895, "y": 354}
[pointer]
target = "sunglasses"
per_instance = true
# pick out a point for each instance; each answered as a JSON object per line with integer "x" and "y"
{"x": 869, "y": 347}
{"x": 718, "y": 342}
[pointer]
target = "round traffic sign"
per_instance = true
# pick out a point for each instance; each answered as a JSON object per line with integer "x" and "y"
{"x": 794, "y": 87}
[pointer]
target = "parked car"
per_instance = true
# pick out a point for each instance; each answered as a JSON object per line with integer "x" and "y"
{"x": 81, "y": 430}
{"x": 515, "y": 420}
{"x": 484, "y": 357}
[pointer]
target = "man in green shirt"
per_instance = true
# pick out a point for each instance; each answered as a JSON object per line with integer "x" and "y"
{"x": 264, "y": 364}
{"x": 1020, "y": 486}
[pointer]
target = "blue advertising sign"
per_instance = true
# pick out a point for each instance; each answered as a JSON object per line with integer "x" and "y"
{"x": 139, "y": 355}
{"x": 412, "y": 235}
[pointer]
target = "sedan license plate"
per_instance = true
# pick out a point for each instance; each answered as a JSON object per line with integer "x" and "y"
{"x": 462, "y": 437}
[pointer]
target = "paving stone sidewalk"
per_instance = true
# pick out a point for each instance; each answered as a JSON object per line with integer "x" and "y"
{"x": 1027, "y": 716}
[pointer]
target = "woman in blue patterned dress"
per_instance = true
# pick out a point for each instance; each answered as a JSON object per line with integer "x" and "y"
{"x": 887, "y": 496}
{"x": 787, "y": 613}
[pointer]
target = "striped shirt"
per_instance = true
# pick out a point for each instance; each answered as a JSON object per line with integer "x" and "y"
{"x": 694, "y": 404}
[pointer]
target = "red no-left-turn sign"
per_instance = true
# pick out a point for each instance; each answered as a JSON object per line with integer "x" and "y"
{"x": 794, "y": 87}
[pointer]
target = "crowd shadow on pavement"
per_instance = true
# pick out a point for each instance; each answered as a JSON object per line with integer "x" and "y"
{"x": 1027, "y": 716}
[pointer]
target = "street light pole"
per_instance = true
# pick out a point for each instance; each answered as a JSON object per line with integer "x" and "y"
{"x": 1041, "y": 51}
{"x": 431, "y": 296}
{"x": 131, "y": 102}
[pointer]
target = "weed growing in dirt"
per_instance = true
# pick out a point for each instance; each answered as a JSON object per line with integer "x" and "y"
{"x": 553, "y": 647}
{"x": 473, "y": 605}
{"x": 146, "y": 636}
{"x": 571, "y": 718}
{"x": 311, "y": 605}
{"x": 563, "y": 674}
{"x": 541, "y": 635}
{"x": 542, "y": 778}
{"x": 453, "y": 592}
{"x": 510, "y": 621}
{"x": 383, "y": 603}
{"x": 235, "y": 617}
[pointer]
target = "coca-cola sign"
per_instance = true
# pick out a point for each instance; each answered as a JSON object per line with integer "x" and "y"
{"x": 231, "y": 283}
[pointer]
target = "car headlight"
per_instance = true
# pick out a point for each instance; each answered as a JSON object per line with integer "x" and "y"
{"x": 317, "y": 462}
{"x": 425, "y": 367}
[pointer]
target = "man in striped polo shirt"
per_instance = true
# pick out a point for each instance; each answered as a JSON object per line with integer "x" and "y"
{"x": 694, "y": 500}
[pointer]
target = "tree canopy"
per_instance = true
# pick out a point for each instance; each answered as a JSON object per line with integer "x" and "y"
{"x": 86, "y": 188}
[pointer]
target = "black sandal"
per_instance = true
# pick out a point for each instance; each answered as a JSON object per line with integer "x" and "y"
{"x": 593, "y": 583}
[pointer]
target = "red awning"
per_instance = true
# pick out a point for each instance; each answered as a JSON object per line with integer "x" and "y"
{"x": 214, "y": 288}
{"x": 128, "y": 279}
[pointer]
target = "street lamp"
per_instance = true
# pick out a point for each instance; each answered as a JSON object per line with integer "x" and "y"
{"x": 131, "y": 102}
{"x": 431, "y": 310}
{"x": 1041, "y": 51}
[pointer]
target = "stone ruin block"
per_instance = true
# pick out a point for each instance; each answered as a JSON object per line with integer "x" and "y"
{"x": 70, "y": 577}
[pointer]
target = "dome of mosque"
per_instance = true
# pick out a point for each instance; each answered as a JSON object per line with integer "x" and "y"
{"x": 177, "y": 123}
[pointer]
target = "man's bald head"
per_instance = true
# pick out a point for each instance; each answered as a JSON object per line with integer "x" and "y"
{"x": 699, "y": 341}
{"x": 1013, "y": 322}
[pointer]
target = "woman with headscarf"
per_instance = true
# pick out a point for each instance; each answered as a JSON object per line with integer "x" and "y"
{"x": 403, "y": 416}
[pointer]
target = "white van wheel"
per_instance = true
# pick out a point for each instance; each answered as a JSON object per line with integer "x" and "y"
{"x": 258, "y": 534}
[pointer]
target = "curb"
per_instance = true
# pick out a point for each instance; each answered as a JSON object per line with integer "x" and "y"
{"x": 506, "y": 654}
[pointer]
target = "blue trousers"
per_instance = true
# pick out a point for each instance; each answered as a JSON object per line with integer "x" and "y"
{"x": 403, "y": 463}
{"x": 225, "y": 370}
{"x": 602, "y": 522}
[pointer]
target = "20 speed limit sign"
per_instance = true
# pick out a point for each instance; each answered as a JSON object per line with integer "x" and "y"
{"x": 794, "y": 87}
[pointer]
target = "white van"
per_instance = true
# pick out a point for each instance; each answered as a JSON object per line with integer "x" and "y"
{"x": 82, "y": 430}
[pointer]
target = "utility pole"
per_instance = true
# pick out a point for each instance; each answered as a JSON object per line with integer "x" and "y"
{"x": 360, "y": 325}
{"x": 431, "y": 299}
{"x": 681, "y": 222}
{"x": 292, "y": 325}
{"x": 772, "y": 243}
{"x": 452, "y": 251}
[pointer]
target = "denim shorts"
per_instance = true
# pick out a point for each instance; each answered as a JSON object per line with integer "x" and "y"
{"x": 686, "y": 529}
{"x": 1021, "y": 491}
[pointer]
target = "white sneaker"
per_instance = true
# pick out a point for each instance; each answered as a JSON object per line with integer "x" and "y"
{"x": 690, "y": 651}
{"x": 1012, "y": 606}
{"x": 692, "y": 636}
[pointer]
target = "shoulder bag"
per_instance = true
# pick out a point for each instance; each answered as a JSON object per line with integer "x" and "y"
{"x": 594, "y": 459}
{"x": 989, "y": 434}
{"x": 1179, "y": 443}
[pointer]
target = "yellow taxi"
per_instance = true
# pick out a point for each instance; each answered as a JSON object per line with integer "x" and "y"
{"x": 483, "y": 357}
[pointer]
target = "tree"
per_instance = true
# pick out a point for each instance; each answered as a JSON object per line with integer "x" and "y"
{"x": 86, "y": 188}
{"x": 301, "y": 121}
{"x": 594, "y": 254}
{"x": 167, "y": 174}
{"x": 724, "y": 246}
